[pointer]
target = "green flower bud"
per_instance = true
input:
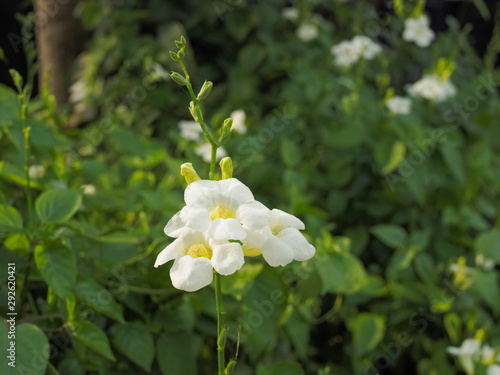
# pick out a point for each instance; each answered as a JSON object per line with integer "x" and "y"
{"x": 226, "y": 166}
{"x": 180, "y": 54}
{"x": 205, "y": 90}
{"x": 196, "y": 113}
{"x": 225, "y": 131}
{"x": 173, "y": 56}
{"x": 176, "y": 77}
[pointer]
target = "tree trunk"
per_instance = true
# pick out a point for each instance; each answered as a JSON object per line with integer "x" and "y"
{"x": 59, "y": 35}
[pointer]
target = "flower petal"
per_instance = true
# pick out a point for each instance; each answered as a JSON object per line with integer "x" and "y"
{"x": 253, "y": 215}
{"x": 302, "y": 250}
{"x": 191, "y": 274}
{"x": 236, "y": 191}
{"x": 281, "y": 220}
{"x": 227, "y": 258}
{"x": 172, "y": 251}
{"x": 201, "y": 193}
{"x": 196, "y": 218}
{"x": 276, "y": 252}
{"x": 256, "y": 238}
{"x": 175, "y": 226}
{"x": 226, "y": 229}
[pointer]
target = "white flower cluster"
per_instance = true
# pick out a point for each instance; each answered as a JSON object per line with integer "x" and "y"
{"x": 470, "y": 352}
{"x": 417, "y": 30}
{"x": 433, "y": 88}
{"x": 220, "y": 224}
{"x": 36, "y": 171}
{"x": 349, "y": 52}
{"x": 399, "y": 105}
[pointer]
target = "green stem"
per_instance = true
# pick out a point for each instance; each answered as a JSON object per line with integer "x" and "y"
{"x": 213, "y": 162}
{"x": 27, "y": 156}
{"x": 204, "y": 127}
{"x": 221, "y": 341}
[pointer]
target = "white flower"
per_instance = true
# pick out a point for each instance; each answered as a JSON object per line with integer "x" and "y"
{"x": 190, "y": 130}
{"x": 239, "y": 117}
{"x": 494, "y": 370}
{"x": 88, "y": 189}
{"x": 349, "y": 52}
{"x": 488, "y": 354}
{"x": 205, "y": 151}
{"x": 417, "y": 30}
{"x": 487, "y": 264}
{"x": 280, "y": 242}
{"x": 468, "y": 347}
{"x": 196, "y": 256}
{"x": 366, "y": 48}
{"x": 345, "y": 53}
{"x": 290, "y": 13}
{"x": 432, "y": 88}
{"x": 399, "y": 105}
{"x": 307, "y": 32}
{"x": 78, "y": 91}
{"x": 224, "y": 209}
{"x": 36, "y": 171}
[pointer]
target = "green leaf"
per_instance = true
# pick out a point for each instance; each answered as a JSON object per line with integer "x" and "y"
{"x": 453, "y": 158}
{"x": 15, "y": 174}
{"x": 368, "y": 330}
{"x": 426, "y": 269}
{"x": 177, "y": 352}
{"x": 488, "y": 244}
{"x": 453, "y": 325}
{"x": 136, "y": 342}
{"x": 100, "y": 299}
{"x": 10, "y": 219}
{"x": 281, "y": 368}
{"x": 397, "y": 155}
{"x": 290, "y": 153}
{"x": 57, "y": 265}
{"x": 487, "y": 287}
{"x": 92, "y": 336}
{"x": 389, "y": 234}
{"x": 31, "y": 350}
{"x": 58, "y": 205}
{"x": 341, "y": 273}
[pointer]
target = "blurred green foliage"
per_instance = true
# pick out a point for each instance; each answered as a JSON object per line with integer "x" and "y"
{"x": 403, "y": 209}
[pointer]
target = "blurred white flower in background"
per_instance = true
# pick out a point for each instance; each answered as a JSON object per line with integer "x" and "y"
{"x": 88, "y": 189}
{"x": 417, "y": 30}
{"x": 399, "y": 105}
{"x": 239, "y": 118}
{"x": 290, "y": 13}
{"x": 205, "y": 152}
{"x": 190, "y": 130}
{"x": 307, "y": 32}
{"x": 433, "y": 88}
{"x": 487, "y": 264}
{"x": 349, "y": 52}
{"x": 78, "y": 91}
{"x": 488, "y": 354}
{"x": 36, "y": 171}
{"x": 494, "y": 370}
{"x": 468, "y": 347}
{"x": 366, "y": 47}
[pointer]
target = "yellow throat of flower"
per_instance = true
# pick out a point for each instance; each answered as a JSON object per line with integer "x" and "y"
{"x": 222, "y": 212}
{"x": 200, "y": 250}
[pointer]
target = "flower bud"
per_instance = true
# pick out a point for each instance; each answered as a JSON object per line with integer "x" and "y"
{"x": 180, "y": 54}
{"x": 205, "y": 90}
{"x": 173, "y": 56}
{"x": 226, "y": 166}
{"x": 226, "y": 130}
{"x": 177, "y": 78}
{"x": 189, "y": 173}
{"x": 196, "y": 113}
